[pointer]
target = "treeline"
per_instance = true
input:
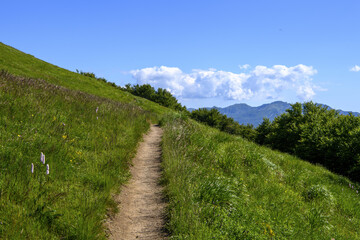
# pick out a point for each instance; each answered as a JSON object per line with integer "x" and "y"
{"x": 214, "y": 118}
{"x": 316, "y": 134}
{"x": 92, "y": 75}
{"x": 160, "y": 96}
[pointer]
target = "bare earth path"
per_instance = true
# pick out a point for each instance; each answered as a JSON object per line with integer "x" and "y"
{"x": 141, "y": 202}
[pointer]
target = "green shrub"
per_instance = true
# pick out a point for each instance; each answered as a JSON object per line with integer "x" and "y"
{"x": 318, "y": 193}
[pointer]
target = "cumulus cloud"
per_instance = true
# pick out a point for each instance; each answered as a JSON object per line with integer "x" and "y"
{"x": 259, "y": 82}
{"x": 355, "y": 68}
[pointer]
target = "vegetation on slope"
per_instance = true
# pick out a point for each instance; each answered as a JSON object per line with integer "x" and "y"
{"x": 25, "y": 65}
{"x": 213, "y": 118}
{"x": 317, "y": 134}
{"x": 87, "y": 141}
{"x": 160, "y": 96}
{"x": 221, "y": 186}
{"x": 310, "y": 131}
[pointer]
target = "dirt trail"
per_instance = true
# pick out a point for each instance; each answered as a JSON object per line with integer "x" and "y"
{"x": 141, "y": 203}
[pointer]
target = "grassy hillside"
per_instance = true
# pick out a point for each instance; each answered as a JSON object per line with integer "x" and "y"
{"x": 88, "y": 131}
{"x": 25, "y": 65}
{"x": 87, "y": 141}
{"x": 221, "y": 186}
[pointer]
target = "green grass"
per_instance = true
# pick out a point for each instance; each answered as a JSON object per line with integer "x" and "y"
{"x": 25, "y": 65}
{"x": 87, "y": 151}
{"x": 220, "y": 186}
{"x": 50, "y": 110}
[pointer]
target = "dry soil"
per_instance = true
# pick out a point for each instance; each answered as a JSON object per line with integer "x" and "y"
{"x": 141, "y": 202}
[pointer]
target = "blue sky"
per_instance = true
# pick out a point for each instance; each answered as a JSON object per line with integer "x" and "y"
{"x": 206, "y": 52}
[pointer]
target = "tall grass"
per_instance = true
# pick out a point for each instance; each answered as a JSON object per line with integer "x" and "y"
{"x": 87, "y": 142}
{"x": 223, "y": 187}
{"x": 26, "y": 65}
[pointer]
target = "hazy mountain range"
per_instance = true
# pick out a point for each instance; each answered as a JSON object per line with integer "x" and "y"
{"x": 245, "y": 114}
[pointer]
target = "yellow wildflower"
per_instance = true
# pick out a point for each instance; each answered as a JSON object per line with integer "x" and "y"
{"x": 271, "y": 232}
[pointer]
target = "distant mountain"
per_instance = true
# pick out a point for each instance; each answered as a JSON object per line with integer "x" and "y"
{"x": 345, "y": 112}
{"x": 245, "y": 114}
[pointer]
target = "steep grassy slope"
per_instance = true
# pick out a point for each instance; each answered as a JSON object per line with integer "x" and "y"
{"x": 87, "y": 141}
{"x": 222, "y": 187}
{"x": 88, "y": 131}
{"x": 25, "y": 65}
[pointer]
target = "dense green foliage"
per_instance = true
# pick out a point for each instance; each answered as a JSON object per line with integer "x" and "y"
{"x": 213, "y": 118}
{"x": 221, "y": 186}
{"x": 317, "y": 134}
{"x": 88, "y": 142}
{"x": 161, "y": 96}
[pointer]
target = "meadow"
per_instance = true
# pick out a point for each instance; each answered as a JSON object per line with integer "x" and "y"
{"x": 88, "y": 142}
{"x": 220, "y": 186}
{"x": 26, "y": 65}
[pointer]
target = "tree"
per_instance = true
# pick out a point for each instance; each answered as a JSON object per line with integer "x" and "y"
{"x": 214, "y": 118}
{"x": 263, "y": 130}
{"x": 317, "y": 134}
{"x": 161, "y": 96}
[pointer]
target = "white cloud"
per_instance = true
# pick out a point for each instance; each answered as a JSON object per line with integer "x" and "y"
{"x": 260, "y": 82}
{"x": 355, "y": 68}
{"x": 245, "y": 66}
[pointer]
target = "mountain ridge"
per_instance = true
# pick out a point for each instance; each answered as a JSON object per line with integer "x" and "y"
{"x": 245, "y": 114}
